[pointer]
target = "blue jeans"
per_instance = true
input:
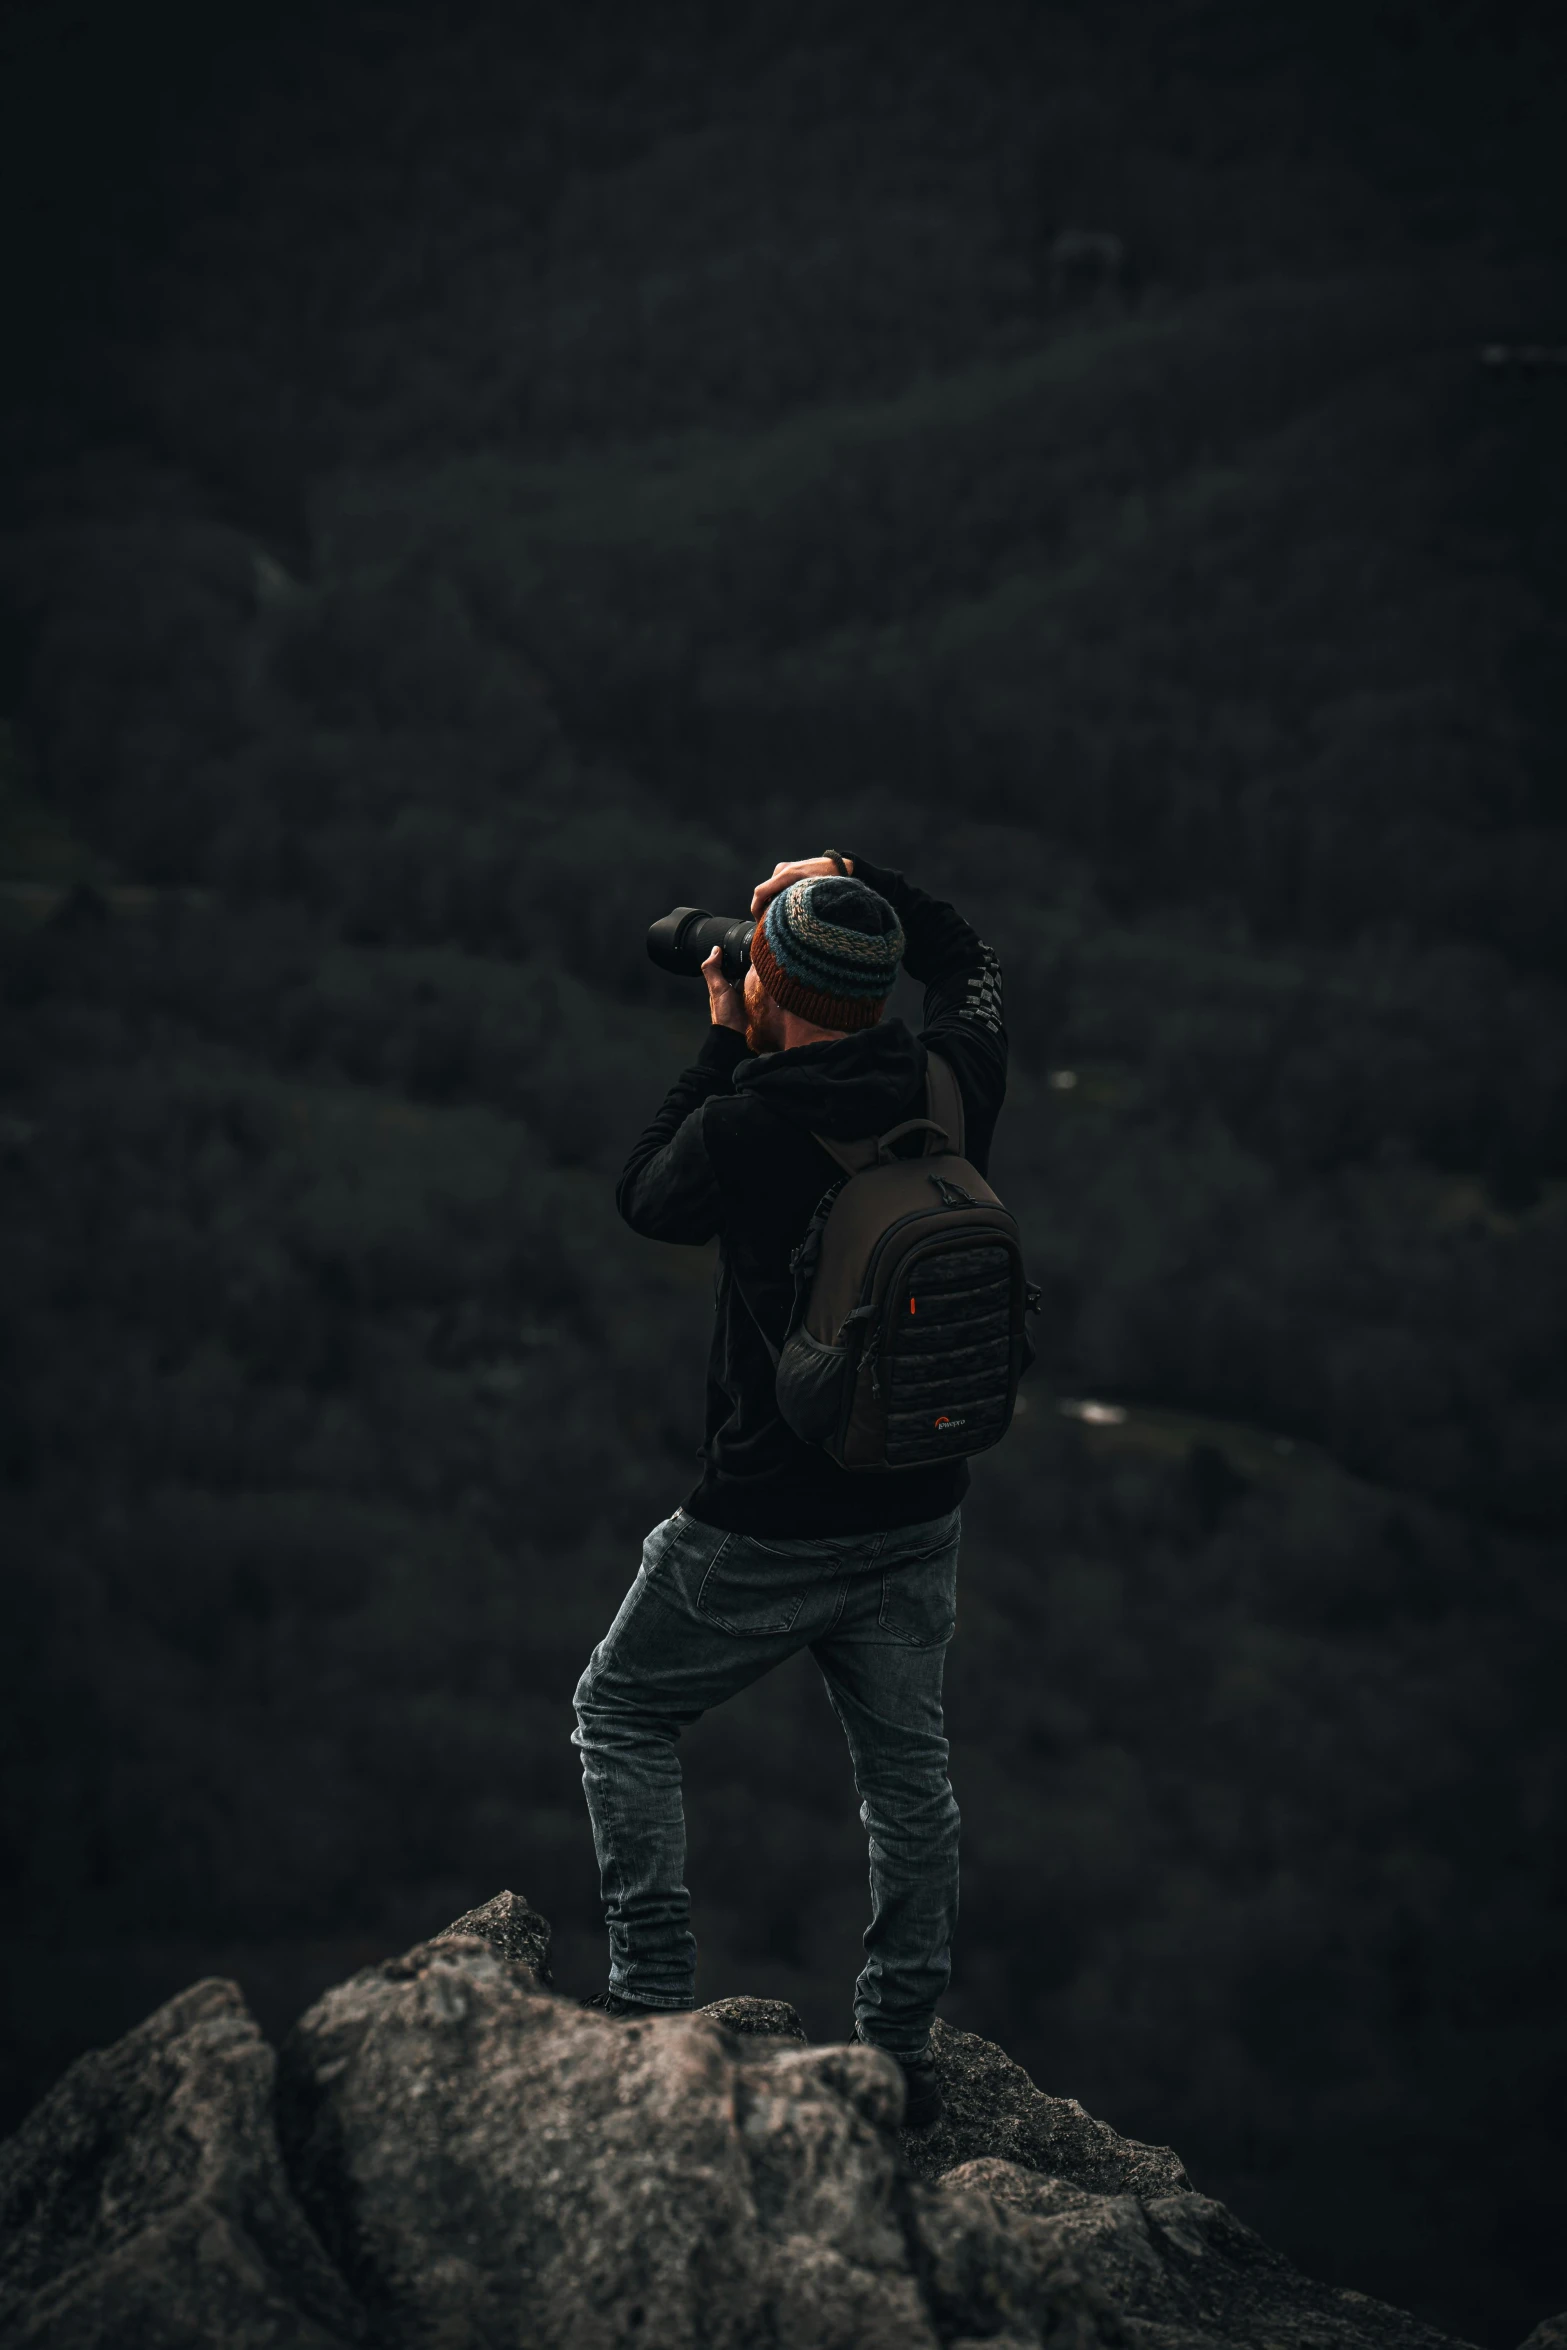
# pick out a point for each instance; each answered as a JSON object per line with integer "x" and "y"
{"x": 709, "y": 1613}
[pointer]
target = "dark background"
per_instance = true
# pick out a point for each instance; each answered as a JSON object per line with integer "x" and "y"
{"x": 474, "y": 483}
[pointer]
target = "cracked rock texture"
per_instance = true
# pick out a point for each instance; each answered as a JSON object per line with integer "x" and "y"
{"x": 446, "y": 2154}
{"x": 992, "y": 2107}
{"x": 490, "y": 2165}
{"x": 517, "y": 1931}
{"x": 144, "y": 2201}
{"x": 1181, "y": 2272}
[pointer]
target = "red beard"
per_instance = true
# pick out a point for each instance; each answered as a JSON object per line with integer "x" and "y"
{"x": 763, "y": 1020}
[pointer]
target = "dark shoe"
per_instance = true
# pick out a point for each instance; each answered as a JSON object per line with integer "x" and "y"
{"x": 612, "y": 2003}
{"x": 925, "y": 2101}
{"x": 923, "y": 2098}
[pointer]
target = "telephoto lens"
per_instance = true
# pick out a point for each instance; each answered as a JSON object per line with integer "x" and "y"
{"x": 682, "y": 941}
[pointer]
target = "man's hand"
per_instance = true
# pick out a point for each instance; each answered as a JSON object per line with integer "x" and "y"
{"x": 800, "y": 870}
{"x": 725, "y": 1003}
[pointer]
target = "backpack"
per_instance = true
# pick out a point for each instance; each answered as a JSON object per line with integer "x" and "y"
{"x": 907, "y": 1336}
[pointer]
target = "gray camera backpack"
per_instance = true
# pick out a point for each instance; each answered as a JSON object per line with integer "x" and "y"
{"x": 907, "y": 1337}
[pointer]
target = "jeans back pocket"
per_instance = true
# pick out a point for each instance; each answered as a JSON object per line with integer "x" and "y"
{"x": 919, "y": 1596}
{"x": 749, "y": 1591}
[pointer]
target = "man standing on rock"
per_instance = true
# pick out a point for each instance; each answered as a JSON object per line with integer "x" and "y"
{"x": 778, "y": 1548}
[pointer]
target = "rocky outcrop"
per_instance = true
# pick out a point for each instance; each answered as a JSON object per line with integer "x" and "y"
{"x": 514, "y": 1928}
{"x": 144, "y": 2201}
{"x": 476, "y": 2153}
{"x": 993, "y": 2108}
{"x": 445, "y": 2153}
{"x": 1180, "y": 2270}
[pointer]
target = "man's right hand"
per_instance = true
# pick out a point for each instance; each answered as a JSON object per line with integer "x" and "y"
{"x": 725, "y": 1003}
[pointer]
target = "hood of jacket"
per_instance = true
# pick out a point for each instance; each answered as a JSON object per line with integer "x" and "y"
{"x": 850, "y": 1087}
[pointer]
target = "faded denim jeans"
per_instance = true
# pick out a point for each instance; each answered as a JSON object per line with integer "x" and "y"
{"x": 709, "y": 1613}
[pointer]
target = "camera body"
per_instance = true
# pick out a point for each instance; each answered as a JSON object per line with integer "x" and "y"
{"x": 682, "y": 941}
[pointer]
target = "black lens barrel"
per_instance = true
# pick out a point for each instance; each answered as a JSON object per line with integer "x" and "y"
{"x": 682, "y": 941}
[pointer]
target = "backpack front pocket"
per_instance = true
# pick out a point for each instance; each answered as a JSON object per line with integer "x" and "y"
{"x": 811, "y": 1386}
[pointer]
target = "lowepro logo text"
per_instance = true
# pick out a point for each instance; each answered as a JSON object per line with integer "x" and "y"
{"x": 946, "y": 1420}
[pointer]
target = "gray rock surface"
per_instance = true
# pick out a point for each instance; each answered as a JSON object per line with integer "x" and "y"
{"x": 511, "y": 1925}
{"x": 143, "y": 2200}
{"x": 1549, "y": 2334}
{"x": 757, "y": 2019}
{"x": 455, "y": 2158}
{"x": 1180, "y": 2270}
{"x": 491, "y": 2165}
{"x": 992, "y": 2107}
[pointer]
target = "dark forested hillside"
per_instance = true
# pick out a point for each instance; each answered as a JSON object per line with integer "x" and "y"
{"x": 472, "y": 488}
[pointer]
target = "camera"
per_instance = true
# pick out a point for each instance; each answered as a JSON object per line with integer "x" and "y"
{"x": 682, "y": 941}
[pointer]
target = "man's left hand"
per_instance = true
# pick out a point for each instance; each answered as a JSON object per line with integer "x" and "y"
{"x": 801, "y": 870}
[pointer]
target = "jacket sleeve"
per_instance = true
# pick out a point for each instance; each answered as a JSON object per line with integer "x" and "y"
{"x": 667, "y": 1189}
{"x": 964, "y": 1019}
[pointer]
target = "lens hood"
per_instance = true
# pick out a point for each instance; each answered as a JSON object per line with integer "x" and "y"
{"x": 682, "y": 941}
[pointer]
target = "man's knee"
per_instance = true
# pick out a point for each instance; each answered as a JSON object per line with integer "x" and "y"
{"x": 610, "y": 1714}
{"x": 897, "y": 1813}
{"x": 585, "y": 1703}
{"x": 606, "y": 1690}
{"x": 905, "y": 1773}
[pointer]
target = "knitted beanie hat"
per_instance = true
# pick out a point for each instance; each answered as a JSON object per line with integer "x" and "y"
{"x": 828, "y": 948}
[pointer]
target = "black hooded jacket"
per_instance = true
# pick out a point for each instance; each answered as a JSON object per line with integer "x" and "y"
{"x": 731, "y": 1153}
